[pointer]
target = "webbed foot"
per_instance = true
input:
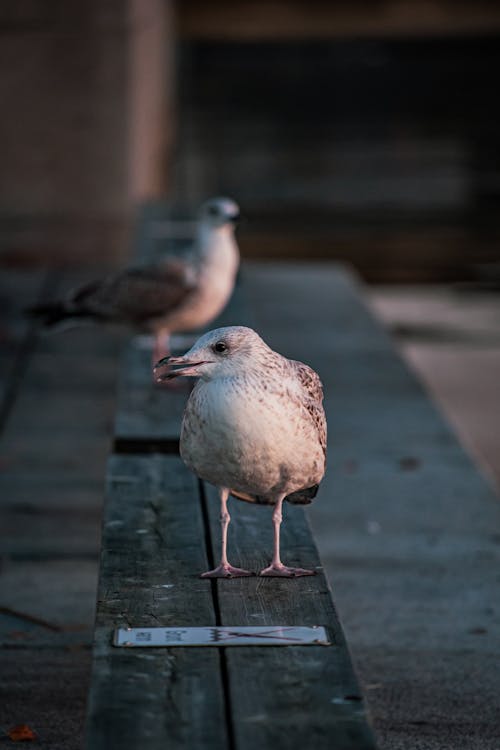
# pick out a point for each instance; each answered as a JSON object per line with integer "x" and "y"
{"x": 284, "y": 571}
{"x": 226, "y": 571}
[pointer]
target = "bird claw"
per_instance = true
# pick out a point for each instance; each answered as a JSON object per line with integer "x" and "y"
{"x": 226, "y": 571}
{"x": 283, "y": 571}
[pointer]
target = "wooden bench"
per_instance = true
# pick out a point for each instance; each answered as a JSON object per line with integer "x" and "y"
{"x": 160, "y": 529}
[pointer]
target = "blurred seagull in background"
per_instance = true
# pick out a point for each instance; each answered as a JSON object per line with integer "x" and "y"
{"x": 174, "y": 295}
{"x": 254, "y": 426}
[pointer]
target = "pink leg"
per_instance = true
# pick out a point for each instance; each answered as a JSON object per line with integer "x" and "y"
{"x": 277, "y": 569}
{"x": 224, "y": 569}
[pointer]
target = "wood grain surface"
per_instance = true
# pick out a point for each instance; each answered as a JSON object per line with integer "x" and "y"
{"x": 161, "y": 530}
{"x": 152, "y": 544}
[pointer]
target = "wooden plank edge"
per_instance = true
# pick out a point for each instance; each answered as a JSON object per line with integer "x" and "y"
{"x": 153, "y": 698}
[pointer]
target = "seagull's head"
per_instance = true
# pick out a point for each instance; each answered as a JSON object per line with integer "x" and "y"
{"x": 218, "y": 212}
{"x": 221, "y": 353}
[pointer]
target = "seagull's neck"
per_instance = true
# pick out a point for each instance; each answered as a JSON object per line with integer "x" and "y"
{"x": 217, "y": 248}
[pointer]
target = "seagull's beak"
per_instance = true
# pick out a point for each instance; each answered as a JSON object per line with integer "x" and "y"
{"x": 235, "y": 218}
{"x": 187, "y": 367}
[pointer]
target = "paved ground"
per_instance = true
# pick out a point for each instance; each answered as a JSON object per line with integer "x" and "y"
{"x": 58, "y": 395}
{"x": 408, "y": 530}
{"x": 451, "y": 337}
{"x": 414, "y": 591}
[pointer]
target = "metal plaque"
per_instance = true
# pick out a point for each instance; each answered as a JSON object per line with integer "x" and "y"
{"x": 276, "y": 635}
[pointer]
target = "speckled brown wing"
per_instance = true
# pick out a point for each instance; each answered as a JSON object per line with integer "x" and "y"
{"x": 137, "y": 295}
{"x": 311, "y": 383}
{"x": 313, "y": 402}
{"x": 309, "y": 380}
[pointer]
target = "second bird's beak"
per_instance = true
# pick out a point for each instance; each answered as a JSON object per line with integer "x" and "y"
{"x": 187, "y": 367}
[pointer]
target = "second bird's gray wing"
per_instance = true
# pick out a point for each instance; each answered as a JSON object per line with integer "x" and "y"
{"x": 136, "y": 295}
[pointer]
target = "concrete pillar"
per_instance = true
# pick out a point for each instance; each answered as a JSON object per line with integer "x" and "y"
{"x": 84, "y": 132}
{"x": 151, "y": 109}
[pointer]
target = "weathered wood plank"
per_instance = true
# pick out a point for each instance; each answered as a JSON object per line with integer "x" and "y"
{"x": 149, "y": 417}
{"x": 399, "y": 488}
{"x": 284, "y": 698}
{"x": 314, "y": 693}
{"x": 152, "y": 545}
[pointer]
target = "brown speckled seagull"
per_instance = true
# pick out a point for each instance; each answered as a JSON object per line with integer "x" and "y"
{"x": 254, "y": 426}
{"x": 174, "y": 295}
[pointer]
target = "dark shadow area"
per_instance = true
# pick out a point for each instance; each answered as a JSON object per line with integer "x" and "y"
{"x": 383, "y": 153}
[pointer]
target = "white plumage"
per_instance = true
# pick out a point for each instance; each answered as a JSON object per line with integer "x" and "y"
{"x": 254, "y": 426}
{"x": 173, "y": 295}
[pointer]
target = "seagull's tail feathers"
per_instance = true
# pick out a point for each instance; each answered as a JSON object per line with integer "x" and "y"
{"x": 301, "y": 497}
{"x": 57, "y": 315}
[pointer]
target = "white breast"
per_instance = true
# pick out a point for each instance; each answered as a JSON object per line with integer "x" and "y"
{"x": 216, "y": 272}
{"x": 250, "y": 439}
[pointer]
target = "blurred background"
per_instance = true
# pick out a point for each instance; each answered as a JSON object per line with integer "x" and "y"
{"x": 364, "y": 132}
{"x": 359, "y": 131}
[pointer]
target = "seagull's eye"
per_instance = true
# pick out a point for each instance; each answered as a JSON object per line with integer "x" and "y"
{"x": 213, "y": 210}
{"x": 220, "y": 347}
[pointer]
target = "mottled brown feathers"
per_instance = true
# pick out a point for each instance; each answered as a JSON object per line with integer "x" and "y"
{"x": 312, "y": 385}
{"x": 136, "y": 294}
{"x": 309, "y": 380}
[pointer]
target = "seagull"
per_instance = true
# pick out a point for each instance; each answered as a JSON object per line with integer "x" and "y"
{"x": 174, "y": 295}
{"x": 253, "y": 426}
